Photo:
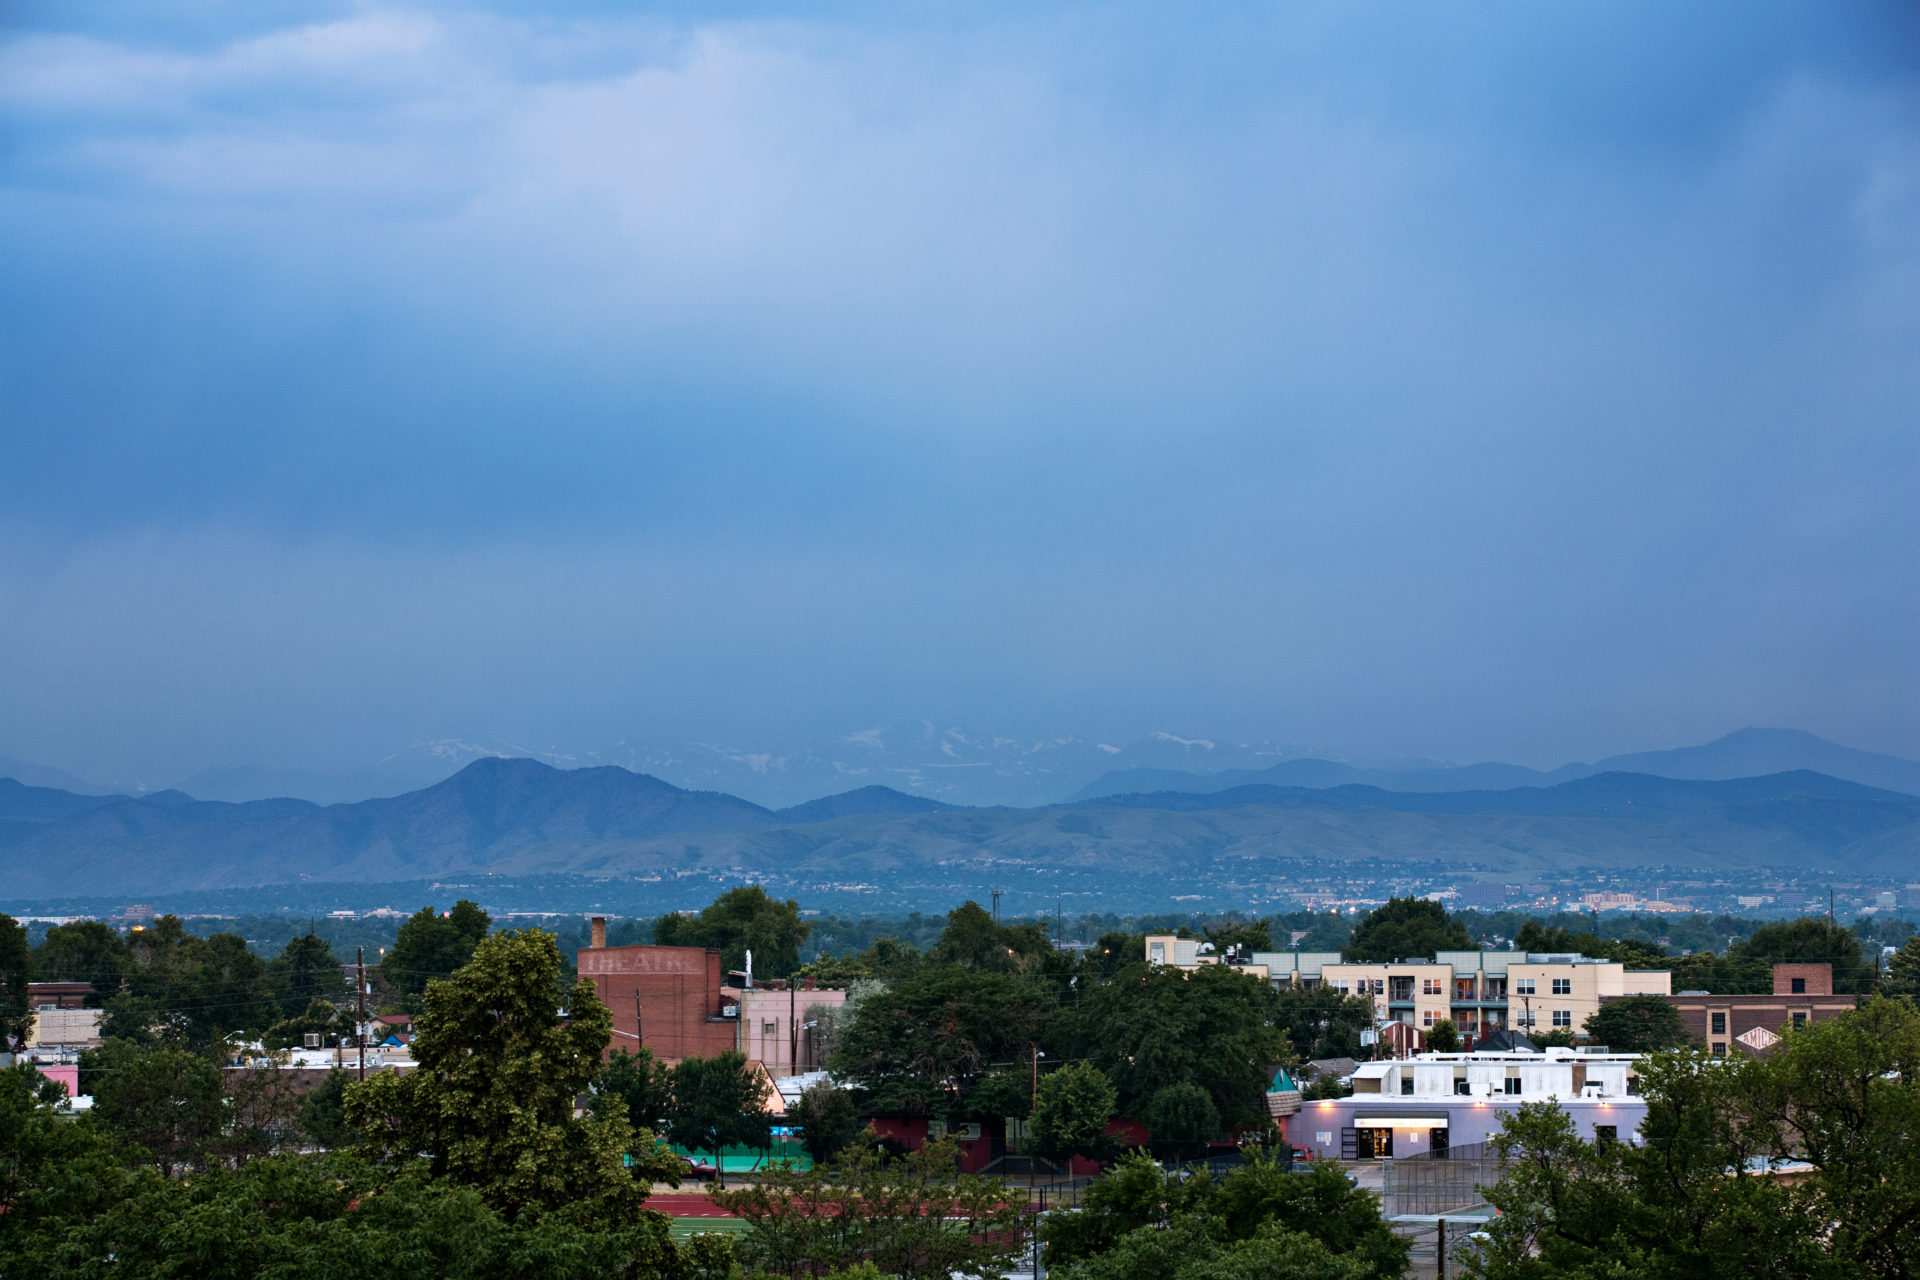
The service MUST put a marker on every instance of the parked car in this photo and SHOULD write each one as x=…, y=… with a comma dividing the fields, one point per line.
x=698, y=1171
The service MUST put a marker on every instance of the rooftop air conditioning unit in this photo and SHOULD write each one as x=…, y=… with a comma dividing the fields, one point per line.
x=312, y=1039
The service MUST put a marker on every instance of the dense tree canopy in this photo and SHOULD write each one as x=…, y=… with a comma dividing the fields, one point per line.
x=491, y=1104
x=740, y=920
x=187, y=991
x=16, y=962
x=1637, y=1024
x=1631, y=952
x=306, y=970
x=84, y=951
x=1260, y=1222
x=925, y=1046
x=431, y=945
x=1405, y=929
x=1694, y=1200
x=1155, y=1026
x=1322, y=1022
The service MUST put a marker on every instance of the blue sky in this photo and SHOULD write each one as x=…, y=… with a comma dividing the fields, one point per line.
x=1474, y=381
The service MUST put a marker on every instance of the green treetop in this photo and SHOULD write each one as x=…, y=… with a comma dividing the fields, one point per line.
x=1406, y=929
x=491, y=1104
x=430, y=945
x=740, y=920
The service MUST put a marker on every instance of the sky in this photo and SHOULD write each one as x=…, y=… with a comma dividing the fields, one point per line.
x=1472, y=381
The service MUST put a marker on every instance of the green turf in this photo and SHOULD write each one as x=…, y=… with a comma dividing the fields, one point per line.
x=684, y=1227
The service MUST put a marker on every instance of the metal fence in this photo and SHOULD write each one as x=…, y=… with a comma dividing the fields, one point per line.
x=1446, y=1181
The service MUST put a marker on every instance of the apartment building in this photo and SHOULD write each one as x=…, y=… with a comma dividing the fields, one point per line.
x=1479, y=991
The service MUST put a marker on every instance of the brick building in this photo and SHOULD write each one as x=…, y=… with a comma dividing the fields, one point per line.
x=673, y=1000
x=1802, y=994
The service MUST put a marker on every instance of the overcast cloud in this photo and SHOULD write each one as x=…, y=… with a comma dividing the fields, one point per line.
x=1474, y=381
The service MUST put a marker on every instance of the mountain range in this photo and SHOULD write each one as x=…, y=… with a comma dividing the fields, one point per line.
x=520, y=817
x=1743, y=754
x=959, y=766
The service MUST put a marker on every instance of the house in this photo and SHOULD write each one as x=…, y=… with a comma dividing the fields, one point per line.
x=1435, y=1102
x=1479, y=991
x=1802, y=994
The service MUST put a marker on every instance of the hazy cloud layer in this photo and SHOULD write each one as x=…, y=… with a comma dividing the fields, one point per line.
x=1460, y=380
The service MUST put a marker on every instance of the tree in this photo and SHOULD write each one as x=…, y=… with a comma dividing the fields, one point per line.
x=1322, y=1022
x=1403, y=929
x=828, y=1121
x=1808, y=940
x=1071, y=1109
x=1903, y=970
x=1441, y=1037
x=1694, y=1198
x=1631, y=952
x=306, y=970
x=1248, y=936
x=974, y=940
x=187, y=991
x=319, y=1018
x=641, y=1085
x=1260, y=1222
x=1637, y=1024
x=16, y=959
x=167, y=1102
x=740, y=920
x=915, y=1216
x=718, y=1102
x=430, y=945
x=491, y=1103
x=323, y=1112
x=1155, y=1026
x=923, y=1047
x=84, y=951
x=1182, y=1120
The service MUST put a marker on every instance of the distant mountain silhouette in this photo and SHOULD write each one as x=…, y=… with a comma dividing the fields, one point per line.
x=515, y=817
x=867, y=800
x=1744, y=754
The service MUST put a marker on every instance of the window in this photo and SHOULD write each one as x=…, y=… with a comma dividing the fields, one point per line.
x=1513, y=1086
x=1524, y=1018
x=1799, y=1020
x=1523, y=986
x=1605, y=1135
x=769, y=1028
x=1379, y=986
x=1430, y=987
x=1431, y=1015
x=1563, y=986
x=1563, y=1017
x=1406, y=1083
x=1719, y=1024
x=1799, y=986
x=1340, y=985
x=1720, y=1051
x=1156, y=953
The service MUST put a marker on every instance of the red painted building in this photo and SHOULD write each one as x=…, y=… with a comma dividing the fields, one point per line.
x=670, y=999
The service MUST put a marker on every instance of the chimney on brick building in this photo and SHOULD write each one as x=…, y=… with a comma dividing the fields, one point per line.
x=599, y=932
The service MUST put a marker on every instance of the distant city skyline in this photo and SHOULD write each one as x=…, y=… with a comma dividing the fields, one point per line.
x=1494, y=383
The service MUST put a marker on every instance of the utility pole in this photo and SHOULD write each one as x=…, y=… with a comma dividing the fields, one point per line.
x=638, y=1030
x=793, y=1026
x=996, y=904
x=360, y=1029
